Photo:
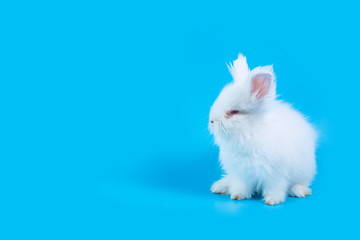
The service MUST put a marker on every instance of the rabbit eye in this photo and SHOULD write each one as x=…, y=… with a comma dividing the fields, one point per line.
x=232, y=112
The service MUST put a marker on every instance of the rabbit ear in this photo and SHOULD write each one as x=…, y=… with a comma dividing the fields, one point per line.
x=239, y=69
x=262, y=82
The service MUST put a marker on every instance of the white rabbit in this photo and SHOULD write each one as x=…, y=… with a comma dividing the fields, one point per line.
x=265, y=145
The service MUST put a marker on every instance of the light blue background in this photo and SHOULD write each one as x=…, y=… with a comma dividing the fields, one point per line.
x=104, y=110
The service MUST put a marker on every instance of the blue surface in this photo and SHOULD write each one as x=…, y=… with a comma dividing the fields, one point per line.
x=104, y=110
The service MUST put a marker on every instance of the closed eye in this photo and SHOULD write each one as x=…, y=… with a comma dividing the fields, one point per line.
x=233, y=112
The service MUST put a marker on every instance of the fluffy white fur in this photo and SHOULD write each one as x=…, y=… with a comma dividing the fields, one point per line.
x=265, y=145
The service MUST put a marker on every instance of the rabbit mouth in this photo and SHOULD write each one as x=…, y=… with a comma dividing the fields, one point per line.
x=217, y=128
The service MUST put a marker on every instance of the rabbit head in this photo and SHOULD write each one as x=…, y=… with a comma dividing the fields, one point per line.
x=242, y=102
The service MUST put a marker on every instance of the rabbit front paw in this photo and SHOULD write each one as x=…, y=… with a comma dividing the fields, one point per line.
x=232, y=187
x=273, y=200
x=221, y=187
x=300, y=190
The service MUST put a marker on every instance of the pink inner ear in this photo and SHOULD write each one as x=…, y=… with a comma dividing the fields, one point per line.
x=260, y=83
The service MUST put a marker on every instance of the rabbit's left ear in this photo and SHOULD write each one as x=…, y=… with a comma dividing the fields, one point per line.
x=262, y=82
